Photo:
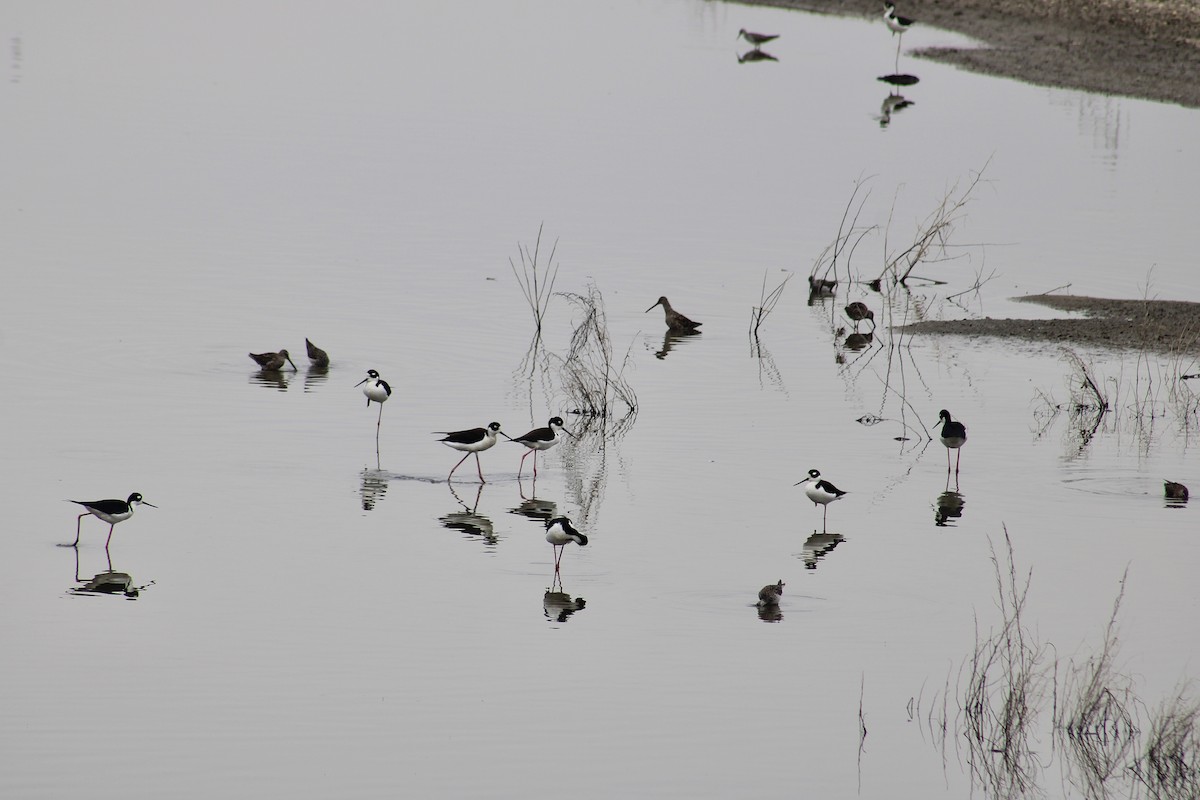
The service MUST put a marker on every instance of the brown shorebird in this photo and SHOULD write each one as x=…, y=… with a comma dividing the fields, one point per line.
x=111, y=511
x=676, y=322
x=769, y=595
x=1175, y=491
x=272, y=362
x=857, y=312
x=954, y=436
x=757, y=39
x=316, y=355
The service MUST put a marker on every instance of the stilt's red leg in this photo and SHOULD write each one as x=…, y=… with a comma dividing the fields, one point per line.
x=456, y=466
x=479, y=467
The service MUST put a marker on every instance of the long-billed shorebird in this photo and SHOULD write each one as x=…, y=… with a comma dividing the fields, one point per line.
x=1175, y=490
x=954, y=436
x=560, y=533
x=821, y=492
x=676, y=322
x=757, y=39
x=316, y=356
x=540, y=439
x=272, y=362
x=111, y=511
x=858, y=311
x=471, y=441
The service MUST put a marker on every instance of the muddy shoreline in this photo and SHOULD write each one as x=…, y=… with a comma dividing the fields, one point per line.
x=1163, y=326
x=1137, y=48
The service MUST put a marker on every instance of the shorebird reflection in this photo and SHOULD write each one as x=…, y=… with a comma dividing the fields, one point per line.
x=108, y=582
x=272, y=380
x=535, y=508
x=468, y=520
x=817, y=546
x=373, y=484
x=949, y=508
x=670, y=339
x=893, y=103
x=557, y=605
x=755, y=55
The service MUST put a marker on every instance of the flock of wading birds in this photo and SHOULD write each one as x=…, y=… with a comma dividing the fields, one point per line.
x=559, y=530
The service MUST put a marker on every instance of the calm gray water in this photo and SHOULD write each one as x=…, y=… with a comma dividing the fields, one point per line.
x=188, y=182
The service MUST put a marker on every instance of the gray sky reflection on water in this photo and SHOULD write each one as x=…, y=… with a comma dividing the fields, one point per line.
x=186, y=185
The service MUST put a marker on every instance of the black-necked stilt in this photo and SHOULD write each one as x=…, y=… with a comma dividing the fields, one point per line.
x=821, y=491
x=769, y=595
x=111, y=511
x=858, y=311
x=560, y=533
x=376, y=389
x=471, y=441
x=272, y=362
x=895, y=24
x=540, y=439
x=318, y=357
x=954, y=436
x=1175, y=491
x=757, y=39
x=675, y=321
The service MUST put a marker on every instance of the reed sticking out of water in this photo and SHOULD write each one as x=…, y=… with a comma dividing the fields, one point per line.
x=1007, y=682
x=589, y=374
x=849, y=236
x=932, y=239
x=536, y=280
x=1096, y=719
x=766, y=304
x=1170, y=765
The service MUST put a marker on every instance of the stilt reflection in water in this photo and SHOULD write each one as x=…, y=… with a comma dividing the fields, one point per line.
x=373, y=485
x=949, y=507
x=468, y=519
x=817, y=546
x=557, y=604
x=533, y=507
x=107, y=582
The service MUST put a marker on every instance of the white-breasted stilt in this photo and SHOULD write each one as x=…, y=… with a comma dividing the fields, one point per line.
x=560, y=533
x=954, y=436
x=675, y=321
x=111, y=511
x=896, y=24
x=821, y=491
x=272, y=362
x=540, y=439
x=471, y=441
x=376, y=389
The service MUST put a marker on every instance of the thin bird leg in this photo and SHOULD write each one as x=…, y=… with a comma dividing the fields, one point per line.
x=479, y=468
x=456, y=466
x=521, y=466
x=958, y=461
x=78, y=523
x=109, y=539
x=535, y=463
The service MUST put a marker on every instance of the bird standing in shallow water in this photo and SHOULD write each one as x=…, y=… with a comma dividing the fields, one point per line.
x=560, y=533
x=757, y=39
x=272, y=362
x=1175, y=491
x=769, y=595
x=376, y=389
x=540, y=439
x=675, y=321
x=471, y=441
x=820, y=491
x=954, y=436
x=318, y=357
x=895, y=24
x=857, y=312
x=111, y=511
